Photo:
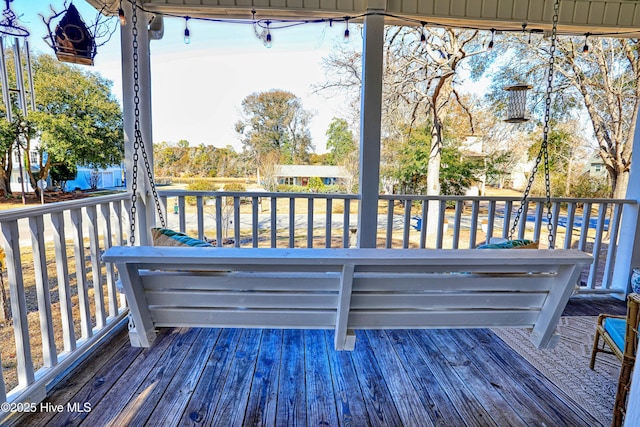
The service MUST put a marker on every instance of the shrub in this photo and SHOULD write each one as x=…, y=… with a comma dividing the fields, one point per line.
x=235, y=186
x=199, y=185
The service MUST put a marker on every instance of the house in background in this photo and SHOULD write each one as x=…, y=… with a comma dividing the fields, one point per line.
x=595, y=167
x=300, y=174
x=86, y=178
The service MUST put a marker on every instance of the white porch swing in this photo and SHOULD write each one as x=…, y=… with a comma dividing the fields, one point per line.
x=340, y=289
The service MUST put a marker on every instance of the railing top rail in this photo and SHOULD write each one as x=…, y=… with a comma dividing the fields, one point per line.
x=504, y=198
x=19, y=213
x=178, y=193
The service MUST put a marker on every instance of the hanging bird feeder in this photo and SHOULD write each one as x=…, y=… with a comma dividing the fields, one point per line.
x=71, y=39
x=517, y=107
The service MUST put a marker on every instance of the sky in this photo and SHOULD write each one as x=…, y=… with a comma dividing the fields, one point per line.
x=198, y=88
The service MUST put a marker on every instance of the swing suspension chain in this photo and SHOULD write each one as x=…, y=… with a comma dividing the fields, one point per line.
x=138, y=143
x=543, y=154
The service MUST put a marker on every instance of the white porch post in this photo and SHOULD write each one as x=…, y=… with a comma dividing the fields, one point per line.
x=145, y=217
x=370, y=116
x=628, y=255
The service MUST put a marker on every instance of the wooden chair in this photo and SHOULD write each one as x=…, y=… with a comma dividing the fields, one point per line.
x=619, y=337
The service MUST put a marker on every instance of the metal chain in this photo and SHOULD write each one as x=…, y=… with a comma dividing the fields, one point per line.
x=138, y=143
x=543, y=154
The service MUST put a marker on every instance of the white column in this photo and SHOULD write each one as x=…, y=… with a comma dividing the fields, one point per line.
x=628, y=255
x=370, y=116
x=145, y=206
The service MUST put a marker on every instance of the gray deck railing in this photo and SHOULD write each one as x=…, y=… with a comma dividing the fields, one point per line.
x=64, y=301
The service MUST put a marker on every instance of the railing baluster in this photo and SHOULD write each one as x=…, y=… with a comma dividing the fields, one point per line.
x=506, y=227
x=310, y=222
x=522, y=226
x=105, y=211
x=94, y=248
x=473, y=232
x=584, y=229
x=274, y=221
x=24, y=361
x=456, y=224
x=407, y=223
x=64, y=290
x=3, y=388
x=597, y=244
x=200, y=216
x=555, y=216
x=568, y=234
x=255, y=222
x=441, y=222
x=346, y=221
x=389, y=237
x=292, y=222
x=182, y=218
x=538, y=222
x=117, y=212
x=49, y=354
x=328, y=223
x=423, y=223
x=81, y=274
x=236, y=222
x=219, y=220
x=491, y=217
x=614, y=229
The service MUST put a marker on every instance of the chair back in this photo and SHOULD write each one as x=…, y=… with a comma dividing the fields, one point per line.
x=633, y=322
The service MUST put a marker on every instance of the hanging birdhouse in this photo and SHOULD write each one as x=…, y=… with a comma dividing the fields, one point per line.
x=72, y=40
x=517, y=107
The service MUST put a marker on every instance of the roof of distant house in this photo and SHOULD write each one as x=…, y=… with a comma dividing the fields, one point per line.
x=320, y=171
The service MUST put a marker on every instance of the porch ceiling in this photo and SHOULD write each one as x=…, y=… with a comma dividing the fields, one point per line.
x=609, y=17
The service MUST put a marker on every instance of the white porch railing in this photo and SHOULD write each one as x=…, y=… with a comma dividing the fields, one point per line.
x=64, y=299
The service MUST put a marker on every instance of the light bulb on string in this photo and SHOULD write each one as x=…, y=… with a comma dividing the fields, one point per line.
x=585, y=48
x=268, y=42
x=187, y=33
x=423, y=37
x=123, y=19
x=346, y=31
x=493, y=32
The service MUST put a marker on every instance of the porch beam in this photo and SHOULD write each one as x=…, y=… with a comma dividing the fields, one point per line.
x=370, y=118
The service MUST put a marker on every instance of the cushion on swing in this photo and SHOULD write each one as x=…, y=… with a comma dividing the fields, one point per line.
x=511, y=244
x=166, y=237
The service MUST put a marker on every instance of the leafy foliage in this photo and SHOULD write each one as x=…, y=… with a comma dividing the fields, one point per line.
x=275, y=121
x=340, y=141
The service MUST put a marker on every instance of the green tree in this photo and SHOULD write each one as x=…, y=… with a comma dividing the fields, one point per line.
x=77, y=120
x=340, y=141
x=275, y=121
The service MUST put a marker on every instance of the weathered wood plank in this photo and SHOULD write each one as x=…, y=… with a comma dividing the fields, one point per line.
x=321, y=401
x=261, y=407
x=545, y=394
x=461, y=398
x=105, y=356
x=146, y=397
x=231, y=408
x=292, y=405
x=520, y=400
x=205, y=389
x=424, y=381
x=378, y=400
x=407, y=401
x=172, y=405
x=470, y=378
x=350, y=406
x=124, y=392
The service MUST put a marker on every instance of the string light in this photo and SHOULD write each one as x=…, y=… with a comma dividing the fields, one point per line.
x=346, y=31
x=423, y=37
x=585, y=48
x=267, y=40
x=123, y=19
x=187, y=33
x=493, y=32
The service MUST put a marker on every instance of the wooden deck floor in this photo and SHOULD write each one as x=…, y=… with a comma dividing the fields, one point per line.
x=234, y=377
